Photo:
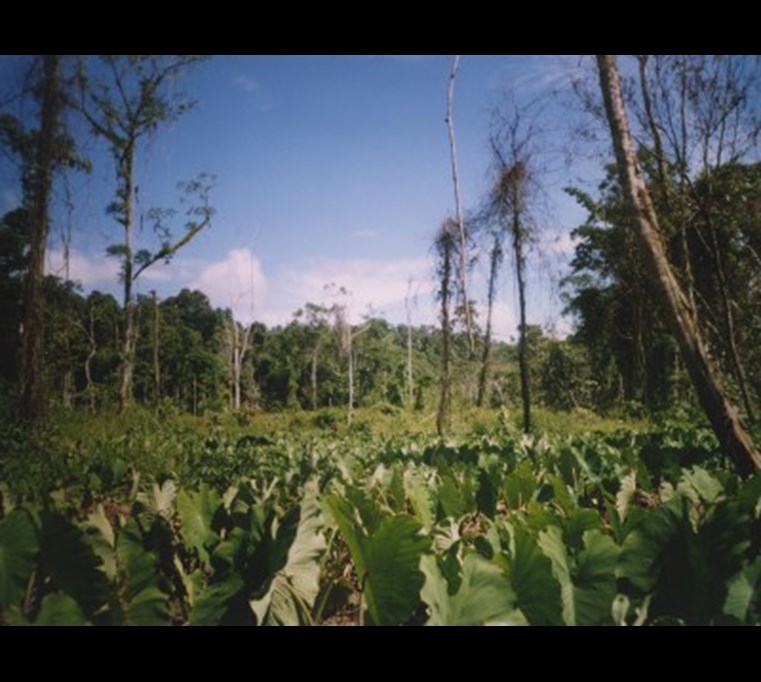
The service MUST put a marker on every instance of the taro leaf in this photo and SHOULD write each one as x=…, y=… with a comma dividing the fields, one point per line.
x=56, y=609
x=538, y=593
x=697, y=484
x=146, y=601
x=228, y=554
x=419, y=494
x=587, y=585
x=101, y=536
x=486, y=497
x=520, y=486
x=396, y=494
x=72, y=564
x=742, y=589
x=450, y=498
x=212, y=602
x=579, y=521
x=18, y=553
x=386, y=562
x=640, y=553
x=294, y=587
x=344, y=515
x=562, y=493
x=163, y=497
x=369, y=510
x=625, y=494
x=484, y=595
x=393, y=580
x=595, y=578
x=197, y=512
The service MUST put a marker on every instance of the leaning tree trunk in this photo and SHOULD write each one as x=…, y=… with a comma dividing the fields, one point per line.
x=681, y=318
x=32, y=397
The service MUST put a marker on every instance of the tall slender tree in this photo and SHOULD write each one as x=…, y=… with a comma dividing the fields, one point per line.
x=511, y=144
x=462, y=230
x=446, y=248
x=32, y=398
x=125, y=98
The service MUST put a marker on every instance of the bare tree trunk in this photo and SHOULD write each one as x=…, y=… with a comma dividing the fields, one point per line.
x=126, y=172
x=313, y=378
x=520, y=263
x=239, y=346
x=90, y=388
x=734, y=440
x=350, y=414
x=156, y=365
x=463, y=267
x=32, y=397
x=445, y=245
x=729, y=322
x=410, y=385
x=68, y=388
x=494, y=261
x=688, y=278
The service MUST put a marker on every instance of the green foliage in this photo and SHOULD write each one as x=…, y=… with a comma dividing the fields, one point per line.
x=239, y=528
x=386, y=555
x=484, y=596
x=18, y=553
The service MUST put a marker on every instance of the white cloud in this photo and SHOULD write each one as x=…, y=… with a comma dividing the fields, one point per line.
x=562, y=243
x=246, y=83
x=237, y=282
x=82, y=268
x=373, y=284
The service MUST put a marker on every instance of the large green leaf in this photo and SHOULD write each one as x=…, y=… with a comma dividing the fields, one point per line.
x=587, y=583
x=698, y=484
x=197, y=512
x=538, y=592
x=386, y=562
x=55, y=609
x=450, y=499
x=484, y=596
x=520, y=486
x=213, y=602
x=72, y=564
x=101, y=536
x=60, y=609
x=294, y=587
x=18, y=554
x=487, y=494
x=742, y=589
x=648, y=535
x=345, y=517
x=393, y=580
x=418, y=492
x=146, y=601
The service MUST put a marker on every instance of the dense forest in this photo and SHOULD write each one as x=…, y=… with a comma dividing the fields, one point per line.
x=163, y=462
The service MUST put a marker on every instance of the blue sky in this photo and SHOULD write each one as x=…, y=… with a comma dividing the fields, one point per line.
x=329, y=169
